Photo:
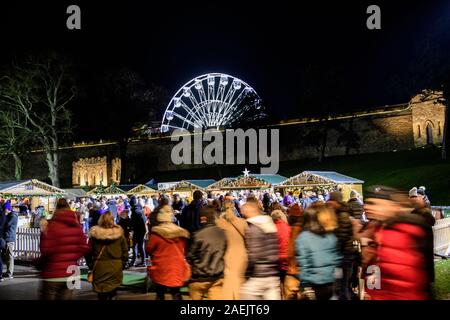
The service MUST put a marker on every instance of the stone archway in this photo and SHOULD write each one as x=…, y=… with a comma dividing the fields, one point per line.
x=429, y=133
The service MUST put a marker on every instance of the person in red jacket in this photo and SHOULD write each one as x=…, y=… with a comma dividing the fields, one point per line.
x=284, y=233
x=166, y=244
x=401, y=248
x=62, y=244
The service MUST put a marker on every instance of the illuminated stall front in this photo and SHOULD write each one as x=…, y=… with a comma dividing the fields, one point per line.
x=262, y=182
x=319, y=181
x=38, y=193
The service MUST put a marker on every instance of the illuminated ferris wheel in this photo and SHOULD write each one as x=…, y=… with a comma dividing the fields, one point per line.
x=211, y=100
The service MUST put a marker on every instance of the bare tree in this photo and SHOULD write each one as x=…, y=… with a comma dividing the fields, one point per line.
x=15, y=137
x=40, y=88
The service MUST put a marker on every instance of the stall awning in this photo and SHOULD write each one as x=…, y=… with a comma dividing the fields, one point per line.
x=141, y=189
x=251, y=181
x=308, y=178
x=32, y=187
x=191, y=184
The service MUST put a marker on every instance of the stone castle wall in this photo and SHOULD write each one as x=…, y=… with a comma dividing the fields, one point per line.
x=381, y=131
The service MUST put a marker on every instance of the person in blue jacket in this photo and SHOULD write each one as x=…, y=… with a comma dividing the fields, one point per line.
x=317, y=252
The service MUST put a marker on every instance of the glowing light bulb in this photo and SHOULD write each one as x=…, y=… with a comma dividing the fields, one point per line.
x=223, y=80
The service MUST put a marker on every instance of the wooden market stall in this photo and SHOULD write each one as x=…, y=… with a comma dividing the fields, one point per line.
x=39, y=193
x=322, y=180
x=186, y=188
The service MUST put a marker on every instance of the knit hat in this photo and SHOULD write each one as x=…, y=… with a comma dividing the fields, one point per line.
x=165, y=214
x=413, y=192
x=295, y=210
x=354, y=194
x=386, y=193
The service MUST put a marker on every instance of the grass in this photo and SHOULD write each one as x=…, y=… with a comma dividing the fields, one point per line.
x=402, y=169
x=442, y=283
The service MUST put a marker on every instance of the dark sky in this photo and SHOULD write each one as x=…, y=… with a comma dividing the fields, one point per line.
x=267, y=45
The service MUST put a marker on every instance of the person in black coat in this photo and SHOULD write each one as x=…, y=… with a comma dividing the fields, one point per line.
x=205, y=256
x=2, y=240
x=9, y=234
x=190, y=216
x=138, y=222
x=261, y=241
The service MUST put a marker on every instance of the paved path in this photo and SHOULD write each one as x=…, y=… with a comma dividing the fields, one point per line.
x=26, y=284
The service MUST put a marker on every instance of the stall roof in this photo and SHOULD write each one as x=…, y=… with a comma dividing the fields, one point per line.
x=141, y=189
x=202, y=183
x=31, y=187
x=320, y=177
x=336, y=177
x=274, y=179
x=127, y=187
x=76, y=192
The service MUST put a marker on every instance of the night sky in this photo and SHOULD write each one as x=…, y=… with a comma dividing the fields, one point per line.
x=267, y=45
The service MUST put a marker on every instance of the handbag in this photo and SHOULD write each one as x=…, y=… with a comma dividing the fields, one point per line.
x=90, y=277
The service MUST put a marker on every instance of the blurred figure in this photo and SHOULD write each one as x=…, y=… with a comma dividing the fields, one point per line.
x=178, y=206
x=2, y=240
x=317, y=251
x=190, y=217
x=288, y=199
x=108, y=257
x=291, y=285
x=9, y=235
x=401, y=247
x=276, y=206
x=235, y=258
x=166, y=249
x=261, y=241
x=127, y=227
x=423, y=210
x=421, y=191
x=283, y=232
x=138, y=222
x=206, y=257
x=62, y=244
x=344, y=234
x=266, y=203
x=355, y=205
x=112, y=207
x=94, y=214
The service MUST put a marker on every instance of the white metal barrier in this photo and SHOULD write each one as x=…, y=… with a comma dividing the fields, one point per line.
x=441, y=231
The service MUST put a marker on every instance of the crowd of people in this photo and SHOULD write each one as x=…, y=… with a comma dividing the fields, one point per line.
x=242, y=245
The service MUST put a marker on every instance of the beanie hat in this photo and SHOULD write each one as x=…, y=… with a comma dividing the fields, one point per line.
x=413, y=192
x=295, y=210
x=354, y=194
x=165, y=214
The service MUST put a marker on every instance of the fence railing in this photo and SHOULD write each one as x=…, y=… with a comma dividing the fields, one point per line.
x=27, y=244
x=441, y=231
